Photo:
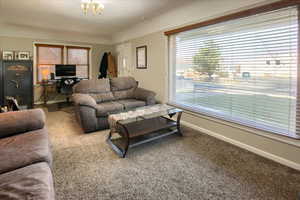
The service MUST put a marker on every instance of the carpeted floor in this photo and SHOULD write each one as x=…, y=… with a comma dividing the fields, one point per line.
x=195, y=166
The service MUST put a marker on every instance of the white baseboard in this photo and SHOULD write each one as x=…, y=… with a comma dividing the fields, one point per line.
x=252, y=149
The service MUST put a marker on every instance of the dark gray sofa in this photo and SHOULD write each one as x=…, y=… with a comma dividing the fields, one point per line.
x=25, y=156
x=95, y=99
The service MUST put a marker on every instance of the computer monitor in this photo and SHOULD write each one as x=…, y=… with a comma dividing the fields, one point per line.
x=65, y=70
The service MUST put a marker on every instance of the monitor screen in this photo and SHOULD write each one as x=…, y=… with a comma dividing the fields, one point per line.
x=65, y=70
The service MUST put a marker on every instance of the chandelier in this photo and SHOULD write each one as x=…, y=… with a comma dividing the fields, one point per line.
x=96, y=6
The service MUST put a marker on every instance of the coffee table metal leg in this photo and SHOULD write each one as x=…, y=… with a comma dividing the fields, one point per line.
x=127, y=142
x=171, y=115
x=110, y=134
x=114, y=147
x=178, y=123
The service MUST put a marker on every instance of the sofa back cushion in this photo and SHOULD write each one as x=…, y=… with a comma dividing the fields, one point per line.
x=13, y=123
x=123, y=87
x=92, y=86
x=99, y=89
x=102, y=97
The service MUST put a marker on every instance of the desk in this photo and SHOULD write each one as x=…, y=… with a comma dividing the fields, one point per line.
x=48, y=86
x=62, y=86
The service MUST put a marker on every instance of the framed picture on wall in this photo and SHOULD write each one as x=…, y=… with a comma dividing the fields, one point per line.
x=7, y=55
x=23, y=55
x=141, y=57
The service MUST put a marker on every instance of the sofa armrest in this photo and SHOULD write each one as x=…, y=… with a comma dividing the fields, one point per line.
x=84, y=100
x=12, y=123
x=145, y=95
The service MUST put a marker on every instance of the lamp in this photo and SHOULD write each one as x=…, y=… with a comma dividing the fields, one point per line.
x=45, y=74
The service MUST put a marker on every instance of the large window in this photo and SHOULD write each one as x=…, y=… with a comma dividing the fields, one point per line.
x=47, y=56
x=242, y=70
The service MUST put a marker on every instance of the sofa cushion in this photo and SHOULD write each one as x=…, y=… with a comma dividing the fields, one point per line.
x=124, y=94
x=131, y=103
x=102, y=97
x=13, y=123
x=24, y=149
x=31, y=182
x=92, y=86
x=123, y=83
x=123, y=87
x=104, y=109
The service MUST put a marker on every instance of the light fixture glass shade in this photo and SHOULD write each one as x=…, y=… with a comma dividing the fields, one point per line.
x=96, y=6
x=85, y=4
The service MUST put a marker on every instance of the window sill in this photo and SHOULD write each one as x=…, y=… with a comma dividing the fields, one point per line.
x=278, y=137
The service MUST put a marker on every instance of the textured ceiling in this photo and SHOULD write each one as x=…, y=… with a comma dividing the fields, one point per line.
x=65, y=15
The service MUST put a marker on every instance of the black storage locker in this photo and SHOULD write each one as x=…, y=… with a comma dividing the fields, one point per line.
x=17, y=81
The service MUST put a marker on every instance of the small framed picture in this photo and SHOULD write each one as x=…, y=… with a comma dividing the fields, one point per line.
x=7, y=55
x=23, y=55
x=141, y=57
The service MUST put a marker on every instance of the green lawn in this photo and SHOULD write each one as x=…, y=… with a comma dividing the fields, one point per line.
x=243, y=106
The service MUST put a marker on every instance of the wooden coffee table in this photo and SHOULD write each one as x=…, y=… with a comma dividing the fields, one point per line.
x=141, y=125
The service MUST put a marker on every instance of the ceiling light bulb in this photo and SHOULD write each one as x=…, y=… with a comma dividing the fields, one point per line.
x=85, y=4
x=97, y=7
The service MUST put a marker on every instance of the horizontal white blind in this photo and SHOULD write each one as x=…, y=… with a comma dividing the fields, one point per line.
x=243, y=70
x=79, y=57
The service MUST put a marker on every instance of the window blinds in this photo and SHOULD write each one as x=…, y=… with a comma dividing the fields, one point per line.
x=80, y=57
x=47, y=57
x=242, y=70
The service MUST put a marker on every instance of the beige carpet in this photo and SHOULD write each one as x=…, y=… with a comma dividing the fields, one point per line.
x=195, y=166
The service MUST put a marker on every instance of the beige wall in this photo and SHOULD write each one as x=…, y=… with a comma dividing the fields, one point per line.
x=155, y=77
x=26, y=44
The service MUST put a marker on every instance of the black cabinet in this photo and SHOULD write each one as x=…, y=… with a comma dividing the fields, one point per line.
x=17, y=81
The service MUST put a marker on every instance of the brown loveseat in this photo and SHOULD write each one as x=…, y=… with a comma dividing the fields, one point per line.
x=25, y=156
x=95, y=99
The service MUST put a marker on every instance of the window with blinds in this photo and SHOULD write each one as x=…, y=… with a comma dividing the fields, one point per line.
x=243, y=70
x=47, y=57
x=80, y=57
